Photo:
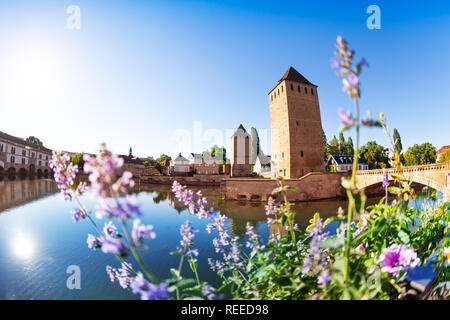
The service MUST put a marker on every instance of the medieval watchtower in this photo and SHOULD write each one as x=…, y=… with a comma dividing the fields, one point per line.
x=240, y=153
x=296, y=127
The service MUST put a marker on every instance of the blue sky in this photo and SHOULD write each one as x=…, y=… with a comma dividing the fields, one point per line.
x=145, y=73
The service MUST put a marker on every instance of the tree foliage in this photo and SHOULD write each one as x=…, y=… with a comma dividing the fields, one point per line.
x=34, y=140
x=420, y=154
x=398, y=147
x=374, y=155
x=445, y=156
x=255, y=147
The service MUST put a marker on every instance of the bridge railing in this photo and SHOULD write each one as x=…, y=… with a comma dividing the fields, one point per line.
x=412, y=169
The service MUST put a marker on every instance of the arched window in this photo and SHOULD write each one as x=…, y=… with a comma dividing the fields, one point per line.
x=297, y=123
x=312, y=91
x=306, y=90
x=298, y=88
x=301, y=154
x=292, y=87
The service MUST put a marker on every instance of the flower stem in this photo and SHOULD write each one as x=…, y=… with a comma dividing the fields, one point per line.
x=136, y=254
x=351, y=203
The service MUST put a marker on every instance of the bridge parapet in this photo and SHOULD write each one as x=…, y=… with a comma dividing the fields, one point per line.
x=411, y=169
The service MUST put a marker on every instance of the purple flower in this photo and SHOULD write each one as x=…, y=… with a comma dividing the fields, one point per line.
x=113, y=208
x=103, y=170
x=110, y=229
x=93, y=242
x=187, y=237
x=194, y=201
x=210, y=293
x=316, y=259
x=335, y=64
x=141, y=232
x=385, y=179
x=64, y=172
x=351, y=84
x=398, y=257
x=78, y=214
x=147, y=290
x=122, y=275
x=113, y=245
x=81, y=188
x=345, y=117
x=324, y=278
x=254, y=241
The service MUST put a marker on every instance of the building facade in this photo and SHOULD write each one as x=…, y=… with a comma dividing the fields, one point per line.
x=20, y=159
x=262, y=164
x=296, y=127
x=179, y=166
x=203, y=163
x=441, y=151
x=338, y=163
x=240, y=153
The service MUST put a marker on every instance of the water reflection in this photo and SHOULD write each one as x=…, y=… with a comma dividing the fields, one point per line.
x=239, y=212
x=23, y=245
x=16, y=193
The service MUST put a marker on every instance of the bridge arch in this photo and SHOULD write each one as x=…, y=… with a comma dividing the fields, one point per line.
x=22, y=173
x=12, y=173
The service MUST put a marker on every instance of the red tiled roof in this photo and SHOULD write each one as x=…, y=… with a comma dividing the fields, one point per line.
x=23, y=142
x=441, y=150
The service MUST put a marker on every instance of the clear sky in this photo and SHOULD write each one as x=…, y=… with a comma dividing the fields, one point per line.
x=169, y=76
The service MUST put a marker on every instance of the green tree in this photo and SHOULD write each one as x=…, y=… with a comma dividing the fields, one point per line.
x=254, y=145
x=350, y=148
x=218, y=152
x=34, y=140
x=333, y=147
x=342, y=145
x=77, y=159
x=326, y=154
x=445, y=156
x=398, y=147
x=374, y=155
x=420, y=154
x=163, y=157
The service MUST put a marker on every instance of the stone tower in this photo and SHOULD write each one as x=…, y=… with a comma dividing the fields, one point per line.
x=240, y=153
x=296, y=127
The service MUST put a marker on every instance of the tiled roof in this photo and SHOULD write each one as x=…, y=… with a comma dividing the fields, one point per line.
x=443, y=149
x=293, y=75
x=23, y=142
x=343, y=159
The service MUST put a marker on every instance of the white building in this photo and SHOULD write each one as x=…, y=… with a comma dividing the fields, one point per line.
x=179, y=165
x=338, y=163
x=262, y=164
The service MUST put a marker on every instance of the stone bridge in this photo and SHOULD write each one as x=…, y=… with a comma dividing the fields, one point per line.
x=436, y=176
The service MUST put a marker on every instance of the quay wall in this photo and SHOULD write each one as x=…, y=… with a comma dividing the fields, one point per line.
x=312, y=186
x=195, y=180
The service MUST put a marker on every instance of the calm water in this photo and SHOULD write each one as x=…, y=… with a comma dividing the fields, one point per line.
x=39, y=240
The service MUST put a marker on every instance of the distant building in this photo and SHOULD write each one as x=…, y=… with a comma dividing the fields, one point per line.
x=262, y=164
x=440, y=152
x=23, y=159
x=240, y=153
x=338, y=163
x=179, y=166
x=296, y=127
x=203, y=163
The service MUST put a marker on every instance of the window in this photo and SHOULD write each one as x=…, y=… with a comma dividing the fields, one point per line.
x=1, y=148
x=13, y=159
x=13, y=150
x=40, y=156
x=46, y=157
x=46, y=164
x=292, y=87
x=281, y=88
x=301, y=154
x=24, y=153
x=282, y=154
x=278, y=91
x=298, y=88
x=284, y=172
x=23, y=160
x=297, y=123
x=306, y=90
x=271, y=97
x=32, y=154
x=312, y=91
